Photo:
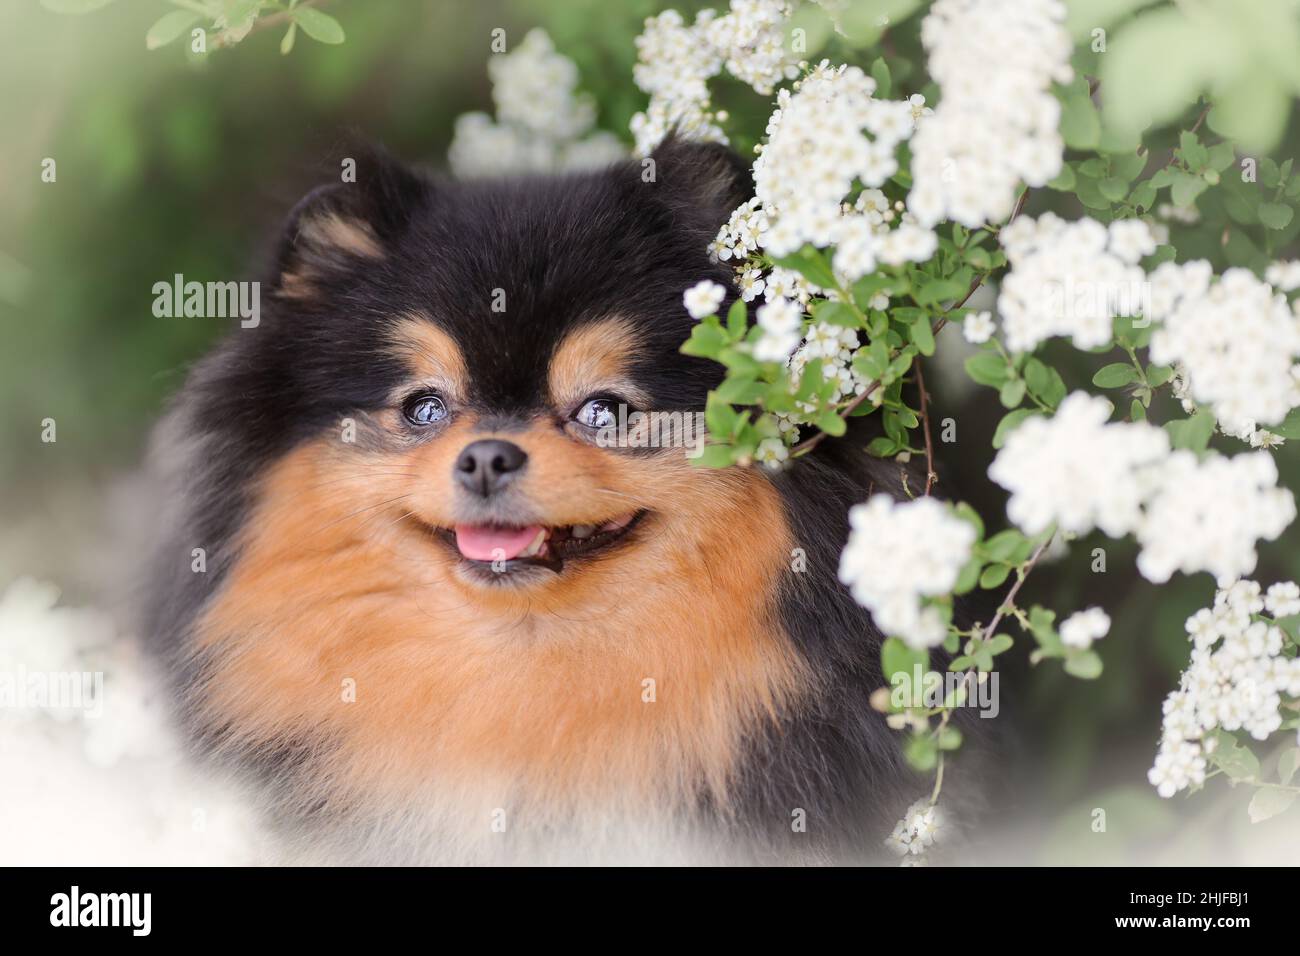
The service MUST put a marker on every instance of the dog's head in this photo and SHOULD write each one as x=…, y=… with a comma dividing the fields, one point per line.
x=493, y=368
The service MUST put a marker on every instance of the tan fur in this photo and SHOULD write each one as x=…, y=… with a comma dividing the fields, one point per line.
x=591, y=359
x=431, y=354
x=351, y=236
x=533, y=694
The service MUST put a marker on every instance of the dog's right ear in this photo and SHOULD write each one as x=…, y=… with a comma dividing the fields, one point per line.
x=336, y=227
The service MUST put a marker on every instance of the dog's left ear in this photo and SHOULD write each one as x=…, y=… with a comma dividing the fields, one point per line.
x=356, y=220
x=707, y=178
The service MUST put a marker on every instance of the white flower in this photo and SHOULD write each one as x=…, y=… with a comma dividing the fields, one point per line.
x=1284, y=275
x=898, y=553
x=1076, y=471
x=1068, y=279
x=1283, y=599
x=1207, y=515
x=1235, y=681
x=703, y=298
x=921, y=828
x=996, y=122
x=771, y=452
x=1079, y=630
x=978, y=327
x=542, y=122
x=1131, y=240
x=1237, y=344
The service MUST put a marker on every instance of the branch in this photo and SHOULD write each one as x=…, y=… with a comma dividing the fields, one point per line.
x=808, y=444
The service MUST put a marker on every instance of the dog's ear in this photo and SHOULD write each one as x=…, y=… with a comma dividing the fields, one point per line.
x=708, y=178
x=335, y=227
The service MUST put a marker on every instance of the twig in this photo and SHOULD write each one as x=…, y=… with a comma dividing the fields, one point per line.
x=263, y=23
x=808, y=444
x=930, y=476
x=1007, y=604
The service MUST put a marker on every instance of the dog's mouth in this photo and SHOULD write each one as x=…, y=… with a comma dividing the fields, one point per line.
x=506, y=548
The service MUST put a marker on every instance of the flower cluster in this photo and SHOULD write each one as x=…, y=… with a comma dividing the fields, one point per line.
x=996, y=123
x=1081, y=629
x=1079, y=472
x=1206, y=515
x=1237, y=343
x=676, y=60
x=126, y=791
x=1071, y=279
x=542, y=122
x=899, y=553
x=921, y=827
x=817, y=150
x=1236, y=680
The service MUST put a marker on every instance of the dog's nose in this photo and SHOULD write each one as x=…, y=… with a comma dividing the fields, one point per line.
x=487, y=466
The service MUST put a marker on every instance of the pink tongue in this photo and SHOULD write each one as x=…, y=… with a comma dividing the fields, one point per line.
x=480, y=542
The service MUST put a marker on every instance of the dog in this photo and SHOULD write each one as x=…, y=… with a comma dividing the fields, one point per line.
x=438, y=620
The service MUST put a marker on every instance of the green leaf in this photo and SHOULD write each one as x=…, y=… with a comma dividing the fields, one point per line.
x=737, y=320
x=836, y=313
x=1268, y=802
x=1113, y=188
x=988, y=368
x=880, y=73
x=1000, y=644
x=1004, y=545
x=1115, y=375
x=719, y=416
x=1086, y=665
x=922, y=336
x=1192, y=433
x=831, y=423
x=1009, y=423
x=1065, y=179
x=812, y=265
x=1238, y=762
x=882, y=447
x=1287, y=764
x=286, y=43
x=897, y=658
x=1155, y=67
x=949, y=738
x=968, y=577
x=994, y=575
x=1276, y=215
x=706, y=341
x=318, y=25
x=1044, y=381
x=1012, y=393
x=741, y=390
x=1290, y=426
x=74, y=6
x=1080, y=124
x=714, y=456
x=1186, y=188
x=921, y=752
x=169, y=27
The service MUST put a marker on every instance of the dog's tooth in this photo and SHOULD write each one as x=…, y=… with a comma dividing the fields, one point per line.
x=535, y=546
x=583, y=530
x=617, y=524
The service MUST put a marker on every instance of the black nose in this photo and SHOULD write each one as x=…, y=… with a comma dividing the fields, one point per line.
x=487, y=466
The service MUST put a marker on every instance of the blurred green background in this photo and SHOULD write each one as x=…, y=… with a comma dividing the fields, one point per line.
x=168, y=162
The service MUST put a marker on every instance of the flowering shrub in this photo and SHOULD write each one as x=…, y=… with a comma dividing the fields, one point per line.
x=880, y=209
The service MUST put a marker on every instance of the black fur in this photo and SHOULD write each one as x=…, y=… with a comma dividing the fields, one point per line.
x=565, y=249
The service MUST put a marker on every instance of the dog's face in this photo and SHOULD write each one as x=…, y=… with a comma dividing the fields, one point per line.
x=492, y=372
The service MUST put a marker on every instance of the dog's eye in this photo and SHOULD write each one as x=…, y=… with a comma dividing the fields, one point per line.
x=424, y=409
x=597, y=413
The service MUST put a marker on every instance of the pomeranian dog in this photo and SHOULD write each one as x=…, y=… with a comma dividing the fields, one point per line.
x=440, y=620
